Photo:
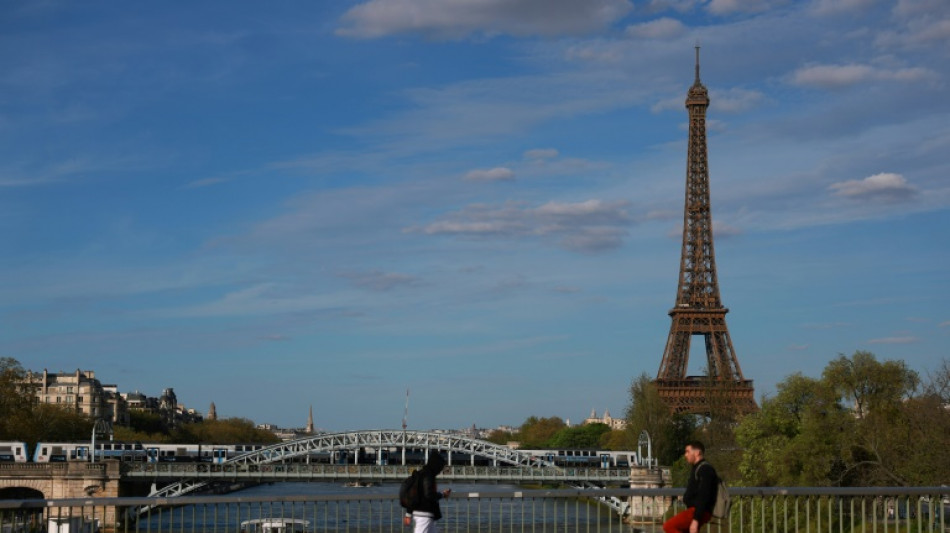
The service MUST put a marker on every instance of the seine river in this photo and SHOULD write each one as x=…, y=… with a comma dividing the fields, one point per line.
x=462, y=513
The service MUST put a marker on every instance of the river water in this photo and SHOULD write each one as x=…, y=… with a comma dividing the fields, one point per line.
x=463, y=512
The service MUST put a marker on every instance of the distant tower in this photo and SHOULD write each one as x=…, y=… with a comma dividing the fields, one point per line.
x=310, y=421
x=212, y=412
x=698, y=310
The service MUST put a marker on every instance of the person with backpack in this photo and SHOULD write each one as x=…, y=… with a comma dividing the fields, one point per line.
x=700, y=496
x=424, y=496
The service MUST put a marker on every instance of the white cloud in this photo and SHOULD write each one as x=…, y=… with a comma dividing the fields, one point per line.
x=662, y=28
x=735, y=100
x=459, y=18
x=541, y=153
x=832, y=76
x=682, y=6
x=380, y=281
x=894, y=340
x=924, y=31
x=885, y=185
x=206, y=182
x=588, y=226
x=492, y=174
x=828, y=7
x=907, y=8
x=725, y=7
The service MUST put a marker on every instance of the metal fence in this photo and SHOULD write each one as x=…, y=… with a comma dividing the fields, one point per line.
x=772, y=510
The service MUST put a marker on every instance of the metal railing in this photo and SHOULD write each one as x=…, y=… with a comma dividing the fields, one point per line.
x=754, y=510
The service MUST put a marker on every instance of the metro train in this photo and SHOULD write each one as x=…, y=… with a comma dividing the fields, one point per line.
x=51, y=452
x=586, y=458
x=13, y=452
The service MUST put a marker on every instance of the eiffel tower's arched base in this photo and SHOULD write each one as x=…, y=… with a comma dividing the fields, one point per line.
x=707, y=397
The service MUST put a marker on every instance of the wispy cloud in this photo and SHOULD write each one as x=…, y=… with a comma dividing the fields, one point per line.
x=725, y=7
x=206, y=182
x=588, y=226
x=894, y=340
x=835, y=7
x=492, y=174
x=886, y=185
x=380, y=281
x=834, y=76
x=541, y=153
x=452, y=20
x=661, y=28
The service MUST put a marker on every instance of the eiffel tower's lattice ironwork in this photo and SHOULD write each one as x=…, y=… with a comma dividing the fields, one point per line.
x=698, y=310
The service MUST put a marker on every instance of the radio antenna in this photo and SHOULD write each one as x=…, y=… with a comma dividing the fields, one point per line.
x=405, y=415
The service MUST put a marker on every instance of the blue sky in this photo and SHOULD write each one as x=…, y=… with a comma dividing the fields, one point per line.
x=325, y=203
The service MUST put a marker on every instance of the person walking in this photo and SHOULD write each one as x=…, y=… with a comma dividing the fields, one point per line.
x=700, y=496
x=427, y=512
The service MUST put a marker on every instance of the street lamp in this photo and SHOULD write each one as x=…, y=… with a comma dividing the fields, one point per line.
x=101, y=426
x=645, y=440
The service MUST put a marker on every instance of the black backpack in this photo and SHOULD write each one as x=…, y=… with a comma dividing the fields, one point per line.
x=410, y=491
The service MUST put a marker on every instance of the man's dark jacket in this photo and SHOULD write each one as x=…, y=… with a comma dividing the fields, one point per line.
x=701, y=488
x=430, y=492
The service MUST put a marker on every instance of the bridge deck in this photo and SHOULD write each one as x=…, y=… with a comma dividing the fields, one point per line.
x=368, y=473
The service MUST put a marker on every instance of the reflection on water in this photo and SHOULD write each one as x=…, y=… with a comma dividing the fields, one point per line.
x=463, y=512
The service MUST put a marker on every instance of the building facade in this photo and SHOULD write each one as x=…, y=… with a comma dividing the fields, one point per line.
x=80, y=391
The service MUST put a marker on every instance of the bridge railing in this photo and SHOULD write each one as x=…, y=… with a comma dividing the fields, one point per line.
x=375, y=509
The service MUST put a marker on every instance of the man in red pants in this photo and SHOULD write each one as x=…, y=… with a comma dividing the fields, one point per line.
x=700, y=496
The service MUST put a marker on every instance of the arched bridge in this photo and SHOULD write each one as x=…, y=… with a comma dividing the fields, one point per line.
x=377, y=455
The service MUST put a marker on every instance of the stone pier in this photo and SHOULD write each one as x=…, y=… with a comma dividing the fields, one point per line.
x=61, y=481
x=648, y=510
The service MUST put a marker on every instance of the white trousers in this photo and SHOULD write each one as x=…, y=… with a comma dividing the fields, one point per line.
x=425, y=523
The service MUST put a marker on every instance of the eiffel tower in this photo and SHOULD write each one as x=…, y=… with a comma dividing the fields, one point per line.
x=698, y=310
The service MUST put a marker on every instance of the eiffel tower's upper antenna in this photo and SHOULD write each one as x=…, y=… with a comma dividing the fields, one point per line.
x=697, y=82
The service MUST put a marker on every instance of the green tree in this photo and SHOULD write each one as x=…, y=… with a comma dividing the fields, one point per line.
x=501, y=437
x=648, y=412
x=864, y=423
x=587, y=436
x=868, y=386
x=224, y=431
x=536, y=433
x=796, y=437
x=16, y=398
x=618, y=439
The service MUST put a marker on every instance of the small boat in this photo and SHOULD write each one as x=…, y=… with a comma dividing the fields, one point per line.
x=358, y=484
x=275, y=525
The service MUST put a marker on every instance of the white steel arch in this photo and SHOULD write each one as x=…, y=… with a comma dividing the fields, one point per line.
x=374, y=439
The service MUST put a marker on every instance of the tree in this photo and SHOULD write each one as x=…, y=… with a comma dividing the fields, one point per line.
x=498, y=436
x=795, y=438
x=648, y=412
x=536, y=433
x=587, y=436
x=16, y=398
x=864, y=423
x=869, y=386
x=223, y=431
x=618, y=439
x=50, y=422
